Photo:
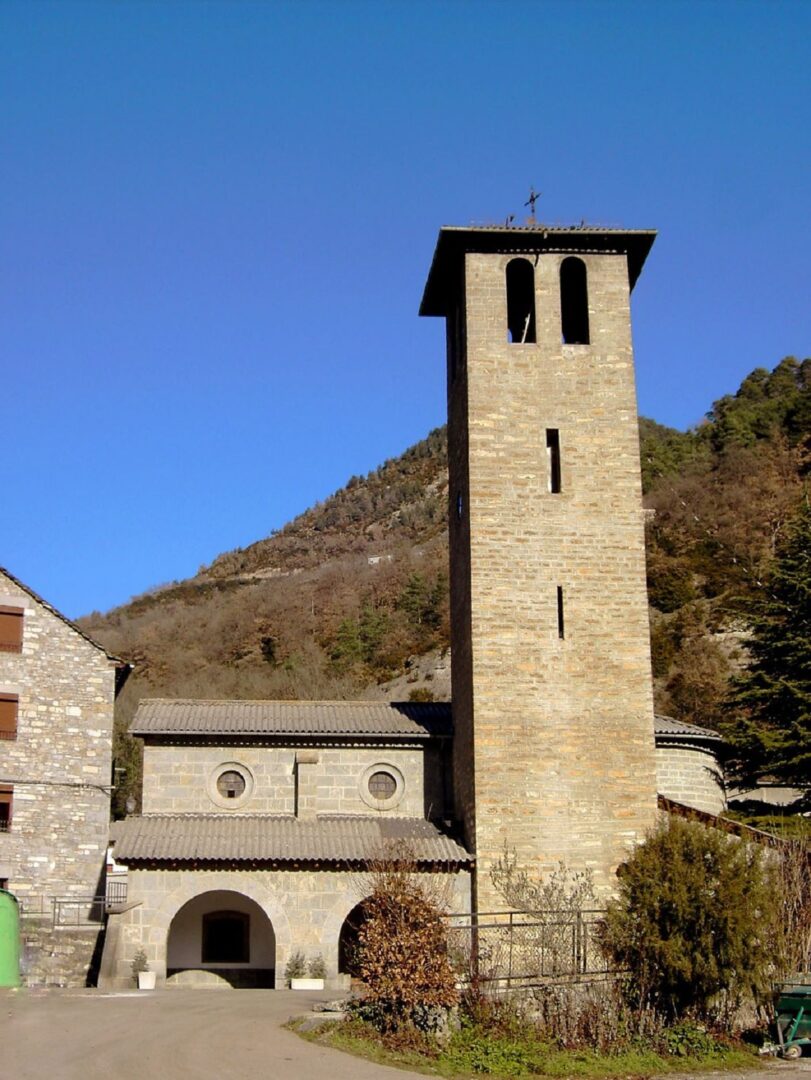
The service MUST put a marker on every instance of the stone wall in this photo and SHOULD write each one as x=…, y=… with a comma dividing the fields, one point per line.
x=182, y=779
x=60, y=761
x=691, y=775
x=61, y=956
x=554, y=735
x=306, y=909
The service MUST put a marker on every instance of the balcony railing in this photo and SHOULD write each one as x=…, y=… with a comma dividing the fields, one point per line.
x=82, y=911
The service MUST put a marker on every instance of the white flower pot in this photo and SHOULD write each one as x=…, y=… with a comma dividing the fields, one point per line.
x=306, y=984
x=146, y=980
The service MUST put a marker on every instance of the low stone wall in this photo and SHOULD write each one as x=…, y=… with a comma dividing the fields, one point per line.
x=58, y=956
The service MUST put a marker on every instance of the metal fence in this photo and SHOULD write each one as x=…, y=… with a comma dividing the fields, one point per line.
x=74, y=910
x=78, y=910
x=512, y=948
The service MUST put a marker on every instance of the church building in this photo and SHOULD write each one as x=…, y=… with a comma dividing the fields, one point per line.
x=261, y=820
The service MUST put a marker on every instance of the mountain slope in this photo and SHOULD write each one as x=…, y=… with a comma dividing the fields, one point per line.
x=348, y=594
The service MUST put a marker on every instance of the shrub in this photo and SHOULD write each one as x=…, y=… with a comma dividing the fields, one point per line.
x=692, y=920
x=296, y=967
x=139, y=963
x=403, y=951
x=316, y=968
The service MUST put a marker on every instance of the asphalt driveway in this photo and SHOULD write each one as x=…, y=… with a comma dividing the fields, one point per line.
x=166, y=1035
x=195, y=1035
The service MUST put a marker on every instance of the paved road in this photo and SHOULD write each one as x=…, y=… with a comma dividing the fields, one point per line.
x=194, y=1035
x=166, y=1035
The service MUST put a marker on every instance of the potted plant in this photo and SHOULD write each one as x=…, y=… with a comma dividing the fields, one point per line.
x=141, y=973
x=302, y=975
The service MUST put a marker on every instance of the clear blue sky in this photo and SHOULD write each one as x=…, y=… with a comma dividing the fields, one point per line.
x=217, y=218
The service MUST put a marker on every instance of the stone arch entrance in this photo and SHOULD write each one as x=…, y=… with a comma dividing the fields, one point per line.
x=348, y=939
x=221, y=936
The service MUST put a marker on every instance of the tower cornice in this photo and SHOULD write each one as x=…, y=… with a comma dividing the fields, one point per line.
x=454, y=241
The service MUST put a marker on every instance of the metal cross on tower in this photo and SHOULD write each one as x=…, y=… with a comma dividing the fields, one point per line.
x=533, y=198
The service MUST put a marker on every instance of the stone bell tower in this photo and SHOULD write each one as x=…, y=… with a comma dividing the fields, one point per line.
x=552, y=694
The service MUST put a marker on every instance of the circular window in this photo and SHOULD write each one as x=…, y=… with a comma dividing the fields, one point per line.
x=382, y=786
x=230, y=785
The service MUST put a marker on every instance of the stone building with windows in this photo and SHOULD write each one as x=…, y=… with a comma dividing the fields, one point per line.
x=261, y=819
x=57, y=691
x=259, y=824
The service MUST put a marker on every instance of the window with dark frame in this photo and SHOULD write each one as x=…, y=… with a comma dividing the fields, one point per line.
x=561, y=628
x=226, y=937
x=6, y=801
x=11, y=628
x=9, y=707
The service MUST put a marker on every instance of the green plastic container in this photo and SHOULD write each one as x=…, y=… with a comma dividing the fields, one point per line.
x=9, y=939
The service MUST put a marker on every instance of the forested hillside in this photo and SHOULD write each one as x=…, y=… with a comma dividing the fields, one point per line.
x=343, y=597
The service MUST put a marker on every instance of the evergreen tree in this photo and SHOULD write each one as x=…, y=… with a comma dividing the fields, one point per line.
x=770, y=731
x=692, y=920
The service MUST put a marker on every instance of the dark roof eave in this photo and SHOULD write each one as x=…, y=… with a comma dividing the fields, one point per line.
x=360, y=864
x=455, y=240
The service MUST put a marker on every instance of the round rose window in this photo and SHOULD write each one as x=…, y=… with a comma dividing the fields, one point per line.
x=382, y=786
x=231, y=784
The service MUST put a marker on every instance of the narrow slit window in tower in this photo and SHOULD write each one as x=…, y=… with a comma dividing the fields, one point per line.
x=553, y=458
x=520, y=302
x=574, y=302
x=561, y=633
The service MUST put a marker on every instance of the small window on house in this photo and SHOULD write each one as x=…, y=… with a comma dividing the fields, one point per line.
x=8, y=716
x=574, y=302
x=6, y=800
x=520, y=301
x=11, y=629
x=561, y=628
x=553, y=460
x=231, y=784
x=226, y=937
x=382, y=786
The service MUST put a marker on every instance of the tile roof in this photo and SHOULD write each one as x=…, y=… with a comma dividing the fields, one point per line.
x=163, y=716
x=666, y=725
x=253, y=838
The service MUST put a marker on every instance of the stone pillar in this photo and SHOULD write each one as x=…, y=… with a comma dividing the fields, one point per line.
x=306, y=789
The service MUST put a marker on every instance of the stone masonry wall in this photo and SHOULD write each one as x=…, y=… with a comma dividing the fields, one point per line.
x=306, y=908
x=464, y=780
x=691, y=775
x=179, y=779
x=60, y=762
x=562, y=750
x=58, y=956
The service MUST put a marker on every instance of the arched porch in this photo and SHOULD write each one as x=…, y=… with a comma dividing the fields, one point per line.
x=221, y=936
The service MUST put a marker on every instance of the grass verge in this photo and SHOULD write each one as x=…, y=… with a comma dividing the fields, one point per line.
x=475, y=1052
